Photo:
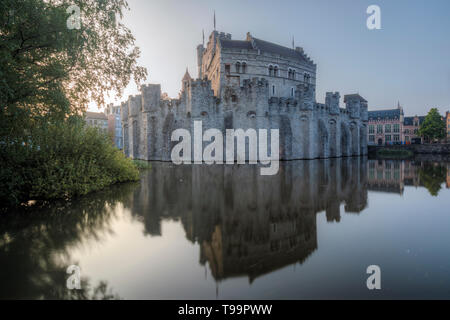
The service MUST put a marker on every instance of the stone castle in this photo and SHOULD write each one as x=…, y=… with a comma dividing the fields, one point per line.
x=247, y=84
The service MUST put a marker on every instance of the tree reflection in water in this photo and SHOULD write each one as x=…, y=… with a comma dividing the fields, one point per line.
x=35, y=245
x=433, y=175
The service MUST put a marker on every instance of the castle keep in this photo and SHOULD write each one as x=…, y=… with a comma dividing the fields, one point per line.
x=248, y=84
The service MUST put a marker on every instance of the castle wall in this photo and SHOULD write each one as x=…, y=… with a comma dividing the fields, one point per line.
x=224, y=99
x=307, y=130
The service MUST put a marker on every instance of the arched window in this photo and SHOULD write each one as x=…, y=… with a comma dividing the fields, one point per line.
x=270, y=70
x=293, y=74
x=275, y=71
x=238, y=67
x=306, y=78
x=292, y=92
x=244, y=67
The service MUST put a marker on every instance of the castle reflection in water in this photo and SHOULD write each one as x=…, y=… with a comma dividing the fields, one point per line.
x=249, y=225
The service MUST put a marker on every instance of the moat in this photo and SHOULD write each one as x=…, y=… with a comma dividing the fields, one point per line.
x=226, y=232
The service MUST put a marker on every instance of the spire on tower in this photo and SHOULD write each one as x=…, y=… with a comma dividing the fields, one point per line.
x=187, y=76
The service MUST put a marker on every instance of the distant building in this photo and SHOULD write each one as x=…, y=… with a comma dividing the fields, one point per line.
x=447, y=123
x=98, y=120
x=390, y=126
x=411, y=127
x=115, y=124
x=448, y=171
x=385, y=126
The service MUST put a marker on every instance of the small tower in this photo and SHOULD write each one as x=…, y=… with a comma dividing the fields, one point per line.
x=355, y=105
x=332, y=102
x=200, y=50
x=186, y=79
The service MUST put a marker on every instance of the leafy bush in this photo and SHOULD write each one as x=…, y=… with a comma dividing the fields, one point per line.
x=60, y=160
x=395, y=153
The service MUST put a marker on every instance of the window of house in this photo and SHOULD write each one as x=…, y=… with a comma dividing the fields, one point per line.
x=292, y=92
x=244, y=67
x=275, y=71
x=416, y=131
x=273, y=90
x=396, y=137
x=371, y=128
x=372, y=138
x=271, y=70
x=387, y=128
x=227, y=69
x=380, y=128
x=396, y=128
x=238, y=67
x=388, y=138
x=407, y=138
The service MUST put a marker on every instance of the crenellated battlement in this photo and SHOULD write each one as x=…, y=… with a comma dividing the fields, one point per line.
x=244, y=99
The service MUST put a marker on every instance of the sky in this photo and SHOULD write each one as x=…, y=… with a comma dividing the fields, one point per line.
x=407, y=61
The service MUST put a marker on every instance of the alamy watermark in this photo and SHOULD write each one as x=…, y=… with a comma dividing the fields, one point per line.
x=374, y=280
x=74, y=280
x=213, y=153
x=74, y=21
x=374, y=20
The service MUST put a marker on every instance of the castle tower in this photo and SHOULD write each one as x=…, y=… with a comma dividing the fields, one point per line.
x=332, y=102
x=200, y=50
x=186, y=79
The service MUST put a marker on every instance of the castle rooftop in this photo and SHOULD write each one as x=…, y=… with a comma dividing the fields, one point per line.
x=252, y=43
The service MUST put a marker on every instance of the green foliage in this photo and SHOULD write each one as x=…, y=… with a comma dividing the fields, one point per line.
x=48, y=75
x=48, y=68
x=142, y=165
x=61, y=160
x=433, y=127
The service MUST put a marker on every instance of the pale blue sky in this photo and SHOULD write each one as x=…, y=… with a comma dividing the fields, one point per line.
x=407, y=61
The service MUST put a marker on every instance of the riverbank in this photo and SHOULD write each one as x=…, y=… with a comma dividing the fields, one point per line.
x=408, y=151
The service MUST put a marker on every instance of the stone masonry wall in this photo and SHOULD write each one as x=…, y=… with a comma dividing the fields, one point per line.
x=308, y=130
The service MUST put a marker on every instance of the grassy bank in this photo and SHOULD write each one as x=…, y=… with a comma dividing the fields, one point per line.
x=386, y=153
x=142, y=165
x=60, y=161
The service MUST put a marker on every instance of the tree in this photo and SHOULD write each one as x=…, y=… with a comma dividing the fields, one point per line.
x=55, y=57
x=433, y=127
x=48, y=68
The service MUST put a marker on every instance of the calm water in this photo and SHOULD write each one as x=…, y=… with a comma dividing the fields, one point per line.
x=225, y=232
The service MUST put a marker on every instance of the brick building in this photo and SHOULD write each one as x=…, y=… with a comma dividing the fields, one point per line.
x=385, y=126
x=411, y=127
